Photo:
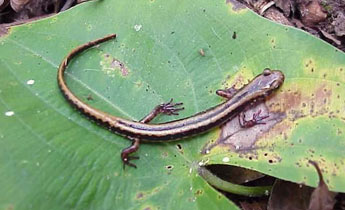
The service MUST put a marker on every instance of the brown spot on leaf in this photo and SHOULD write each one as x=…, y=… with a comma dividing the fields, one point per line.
x=301, y=103
x=179, y=147
x=169, y=167
x=140, y=195
x=242, y=139
x=234, y=35
x=115, y=63
x=291, y=100
x=111, y=65
x=322, y=93
x=89, y=97
x=202, y=52
x=199, y=192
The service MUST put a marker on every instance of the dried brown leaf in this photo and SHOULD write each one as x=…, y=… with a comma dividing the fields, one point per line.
x=329, y=36
x=321, y=198
x=275, y=15
x=339, y=24
x=285, y=6
x=19, y=5
x=289, y=196
x=311, y=12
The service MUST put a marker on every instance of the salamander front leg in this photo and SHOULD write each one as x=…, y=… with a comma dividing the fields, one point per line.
x=168, y=108
x=227, y=93
x=256, y=119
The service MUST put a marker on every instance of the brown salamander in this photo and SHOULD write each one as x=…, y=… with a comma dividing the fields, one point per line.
x=260, y=87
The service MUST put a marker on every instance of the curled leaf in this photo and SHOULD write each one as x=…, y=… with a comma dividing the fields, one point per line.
x=321, y=198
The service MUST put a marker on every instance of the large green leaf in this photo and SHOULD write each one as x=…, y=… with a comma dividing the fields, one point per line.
x=52, y=157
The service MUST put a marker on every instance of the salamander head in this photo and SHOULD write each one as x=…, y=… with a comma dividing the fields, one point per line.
x=264, y=83
x=270, y=79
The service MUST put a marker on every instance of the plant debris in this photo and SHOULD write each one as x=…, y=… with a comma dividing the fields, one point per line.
x=21, y=10
x=324, y=19
x=284, y=195
x=289, y=196
x=321, y=198
x=311, y=12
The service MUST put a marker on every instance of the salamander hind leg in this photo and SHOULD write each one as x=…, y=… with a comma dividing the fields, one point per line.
x=256, y=119
x=129, y=150
x=168, y=108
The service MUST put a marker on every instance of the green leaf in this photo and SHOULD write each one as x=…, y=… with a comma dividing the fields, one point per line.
x=52, y=157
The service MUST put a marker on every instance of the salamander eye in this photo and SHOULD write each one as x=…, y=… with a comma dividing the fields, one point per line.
x=267, y=72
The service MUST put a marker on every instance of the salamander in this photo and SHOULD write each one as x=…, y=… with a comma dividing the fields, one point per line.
x=141, y=131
